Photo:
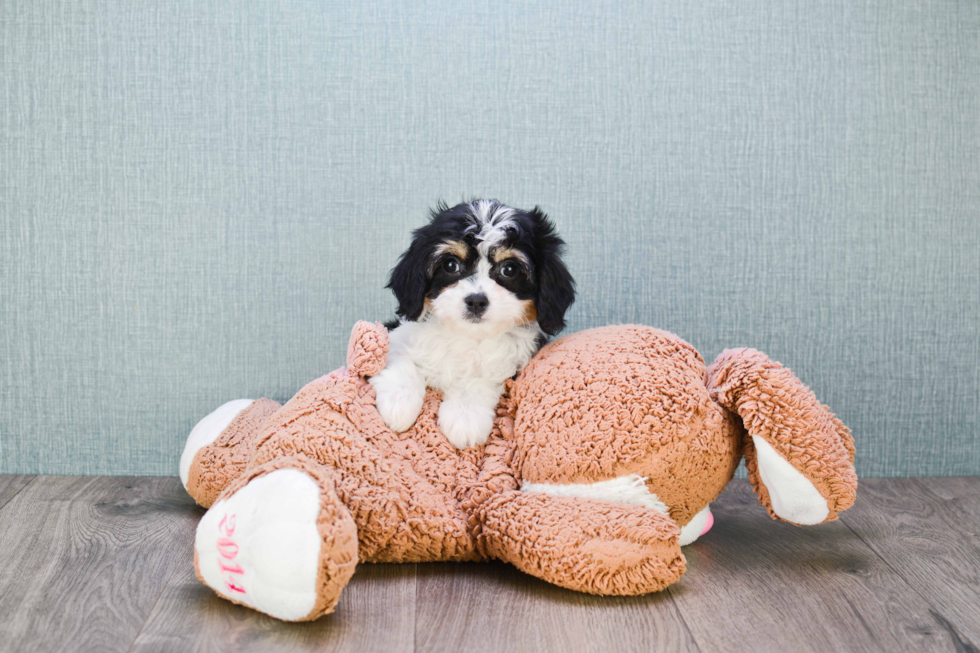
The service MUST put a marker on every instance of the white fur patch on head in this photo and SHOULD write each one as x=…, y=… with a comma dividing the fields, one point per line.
x=493, y=220
x=630, y=489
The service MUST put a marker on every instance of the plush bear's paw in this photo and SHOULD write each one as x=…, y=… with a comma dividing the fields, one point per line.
x=792, y=496
x=207, y=431
x=465, y=424
x=399, y=406
x=265, y=546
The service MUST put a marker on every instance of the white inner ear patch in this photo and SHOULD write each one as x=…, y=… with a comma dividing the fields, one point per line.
x=793, y=496
x=631, y=489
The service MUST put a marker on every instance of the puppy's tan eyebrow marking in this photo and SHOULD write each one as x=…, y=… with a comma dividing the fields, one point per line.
x=506, y=253
x=454, y=247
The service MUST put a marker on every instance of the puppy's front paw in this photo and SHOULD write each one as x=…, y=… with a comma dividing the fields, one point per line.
x=465, y=424
x=399, y=407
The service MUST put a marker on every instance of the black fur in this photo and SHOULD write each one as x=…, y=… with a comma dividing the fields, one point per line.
x=554, y=284
x=545, y=280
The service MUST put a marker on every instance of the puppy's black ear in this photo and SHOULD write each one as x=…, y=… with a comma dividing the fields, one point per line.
x=556, y=287
x=410, y=278
x=556, y=292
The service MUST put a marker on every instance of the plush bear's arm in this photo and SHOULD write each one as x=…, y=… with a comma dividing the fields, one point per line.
x=582, y=544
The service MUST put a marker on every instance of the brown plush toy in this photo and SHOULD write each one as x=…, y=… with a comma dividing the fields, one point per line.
x=607, y=450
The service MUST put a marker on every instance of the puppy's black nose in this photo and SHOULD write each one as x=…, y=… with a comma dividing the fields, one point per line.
x=477, y=304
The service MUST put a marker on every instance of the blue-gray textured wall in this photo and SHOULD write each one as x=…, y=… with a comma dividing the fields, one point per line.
x=197, y=199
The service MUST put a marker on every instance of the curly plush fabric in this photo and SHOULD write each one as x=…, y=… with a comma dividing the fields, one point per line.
x=588, y=546
x=774, y=405
x=367, y=350
x=337, y=530
x=622, y=402
x=219, y=463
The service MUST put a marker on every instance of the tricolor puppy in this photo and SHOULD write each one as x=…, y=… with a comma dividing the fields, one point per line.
x=478, y=290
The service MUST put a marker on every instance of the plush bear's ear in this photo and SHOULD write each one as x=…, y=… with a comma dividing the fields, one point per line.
x=367, y=350
x=556, y=287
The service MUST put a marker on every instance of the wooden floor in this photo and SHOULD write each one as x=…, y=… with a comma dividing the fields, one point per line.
x=104, y=564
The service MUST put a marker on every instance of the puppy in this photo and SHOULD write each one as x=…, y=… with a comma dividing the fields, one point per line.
x=479, y=290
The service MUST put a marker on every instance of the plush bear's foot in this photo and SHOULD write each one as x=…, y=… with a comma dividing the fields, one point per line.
x=207, y=431
x=279, y=541
x=791, y=495
x=700, y=524
x=799, y=456
x=220, y=446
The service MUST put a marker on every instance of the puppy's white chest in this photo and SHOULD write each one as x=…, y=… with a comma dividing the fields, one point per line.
x=449, y=360
x=480, y=359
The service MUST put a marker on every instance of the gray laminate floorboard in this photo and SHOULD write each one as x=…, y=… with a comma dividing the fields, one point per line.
x=11, y=485
x=757, y=584
x=105, y=564
x=928, y=530
x=477, y=607
x=84, y=560
x=377, y=613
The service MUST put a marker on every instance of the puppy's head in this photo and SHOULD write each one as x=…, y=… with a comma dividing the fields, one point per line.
x=482, y=268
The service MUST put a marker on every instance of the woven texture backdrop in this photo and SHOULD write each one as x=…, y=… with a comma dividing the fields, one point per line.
x=197, y=199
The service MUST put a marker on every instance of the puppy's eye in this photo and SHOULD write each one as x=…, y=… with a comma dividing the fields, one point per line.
x=450, y=265
x=508, y=270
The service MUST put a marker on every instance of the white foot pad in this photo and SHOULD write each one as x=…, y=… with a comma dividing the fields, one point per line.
x=261, y=546
x=207, y=431
x=700, y=524
x=793, y=496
